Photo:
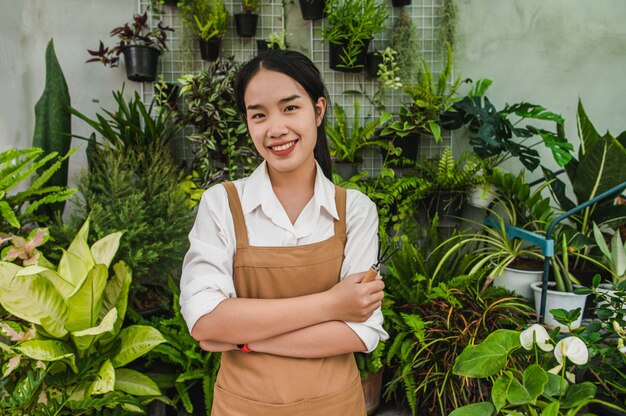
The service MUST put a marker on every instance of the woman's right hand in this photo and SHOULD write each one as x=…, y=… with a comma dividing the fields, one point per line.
x=353, y=301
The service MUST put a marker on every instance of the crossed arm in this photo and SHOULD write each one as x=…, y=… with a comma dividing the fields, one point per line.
x=306, y=326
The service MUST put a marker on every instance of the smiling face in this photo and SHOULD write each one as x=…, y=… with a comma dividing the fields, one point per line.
x=282, y=121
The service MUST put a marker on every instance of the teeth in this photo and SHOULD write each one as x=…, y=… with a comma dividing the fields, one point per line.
x=283, y=146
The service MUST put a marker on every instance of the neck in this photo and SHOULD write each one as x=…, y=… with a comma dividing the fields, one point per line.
x=298, y=180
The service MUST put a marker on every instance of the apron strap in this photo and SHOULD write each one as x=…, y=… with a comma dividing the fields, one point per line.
x=340, y=204
x=241, y=232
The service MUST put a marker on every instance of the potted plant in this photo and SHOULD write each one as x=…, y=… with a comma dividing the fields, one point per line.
x=449, y=181
x=428, y=100
x=349, y=28
x=346, y=143
x=75, y=311
x=140, y=45
x=246, y=22
x=276, y=40
x=533, y=373
x=312, y=9
x=208, y=21
x=431, y=318
x=498, y=135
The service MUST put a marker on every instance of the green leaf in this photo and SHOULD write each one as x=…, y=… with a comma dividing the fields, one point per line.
x=475, y=409
x=86, y=338
x=85, y=304
x=136, y=340
x=489, y=357
x=105, y=381
x=48, y=350
x=116, y=295
x=104, y=249
x=498, y=392
x=33, y=298
x=578, y=394
x=64, y=287
x=554, y=386
x=77, y=261
x=551, y=410
x=135, y=383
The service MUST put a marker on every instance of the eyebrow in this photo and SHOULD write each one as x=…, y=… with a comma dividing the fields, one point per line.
x=281, y=101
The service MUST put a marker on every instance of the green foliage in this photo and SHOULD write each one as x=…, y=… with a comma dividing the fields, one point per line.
x=16, y=167
x=131, y=124
x=53, y=125
x=137, y=191
x=352, y=23
x=225, y=150
x=429, y=98
x=345, y=142
x=496, y=135
x=405, y=41
x=250, y=6
x=447, y=174
x=77, y=310
x=523, y=384
x=207, y=19
x=191, y=364
x=432, y=318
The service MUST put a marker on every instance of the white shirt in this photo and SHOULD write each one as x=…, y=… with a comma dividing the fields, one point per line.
x=207, y=277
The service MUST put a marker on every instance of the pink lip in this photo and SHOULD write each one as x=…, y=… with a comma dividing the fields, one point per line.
x=283, y=152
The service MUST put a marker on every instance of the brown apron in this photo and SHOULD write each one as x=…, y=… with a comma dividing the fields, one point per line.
x=257, y=384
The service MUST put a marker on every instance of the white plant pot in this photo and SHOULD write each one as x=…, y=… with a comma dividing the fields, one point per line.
x=518, y=281
x=480, y=196
x=558, y=300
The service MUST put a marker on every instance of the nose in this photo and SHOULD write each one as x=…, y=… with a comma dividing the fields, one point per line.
x=277, y=127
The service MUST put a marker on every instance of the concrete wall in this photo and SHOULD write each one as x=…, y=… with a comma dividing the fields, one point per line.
x=545, y=52
x=26, y=27
x=549, y=53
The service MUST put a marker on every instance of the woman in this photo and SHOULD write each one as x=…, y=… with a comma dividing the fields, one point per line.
x=272, y=277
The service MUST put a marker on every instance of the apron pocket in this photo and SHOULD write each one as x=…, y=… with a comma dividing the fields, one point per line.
x=226, y=403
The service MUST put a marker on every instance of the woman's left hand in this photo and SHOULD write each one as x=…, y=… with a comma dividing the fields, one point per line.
x=216, y=346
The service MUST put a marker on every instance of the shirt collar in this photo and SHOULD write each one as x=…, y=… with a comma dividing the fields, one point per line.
x=258, y=192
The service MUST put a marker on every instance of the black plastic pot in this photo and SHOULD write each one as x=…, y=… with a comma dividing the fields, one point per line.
x=400, y=3
x=261, y=45
x=312, y=9
x=373, y=60
x=210, y=49
x=335, y=52
x=409, y=145
x=171, y=2
x=246, y=24
x=141, y=62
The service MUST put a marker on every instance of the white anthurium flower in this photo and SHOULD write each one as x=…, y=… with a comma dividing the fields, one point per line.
x=556, y=370
x=572, y=348
x=620, y=346
x=535, y=334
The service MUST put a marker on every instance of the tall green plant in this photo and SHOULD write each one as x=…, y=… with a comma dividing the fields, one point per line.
x=206, y=19
x=53, y=125
x=137, y=191
x=77, y=309
x=18, y=166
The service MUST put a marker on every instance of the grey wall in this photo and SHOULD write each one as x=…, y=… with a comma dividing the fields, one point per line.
x=549, y=53
x=26, y=26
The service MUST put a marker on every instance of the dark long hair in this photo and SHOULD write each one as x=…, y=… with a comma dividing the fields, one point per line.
x=300, y=68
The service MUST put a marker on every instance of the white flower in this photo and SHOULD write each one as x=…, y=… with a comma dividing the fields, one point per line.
x=535, y=334
x=572, y=348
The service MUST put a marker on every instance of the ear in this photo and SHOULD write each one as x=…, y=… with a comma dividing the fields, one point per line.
x=320, y=110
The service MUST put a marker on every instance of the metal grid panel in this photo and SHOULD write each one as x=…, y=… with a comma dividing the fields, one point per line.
x=183, y=57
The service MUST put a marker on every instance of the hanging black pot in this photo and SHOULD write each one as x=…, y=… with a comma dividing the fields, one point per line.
x=336, y=52
x=409, y=145
x=141, y=62
x=312, y=9
x=261, y=45
x=373, y=61
x=210, y=49
x=246, y=24
x=400, y=3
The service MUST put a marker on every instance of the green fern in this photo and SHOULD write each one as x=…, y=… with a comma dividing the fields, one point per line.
x=16, y=167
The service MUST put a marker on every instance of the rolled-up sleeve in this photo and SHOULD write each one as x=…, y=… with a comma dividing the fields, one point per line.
x=207, y=275
x=360, y=254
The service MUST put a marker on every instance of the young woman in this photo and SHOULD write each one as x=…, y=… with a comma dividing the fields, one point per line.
x=272, y=277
